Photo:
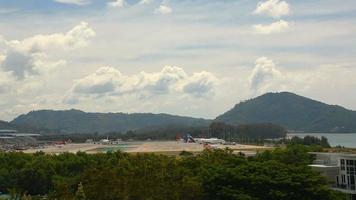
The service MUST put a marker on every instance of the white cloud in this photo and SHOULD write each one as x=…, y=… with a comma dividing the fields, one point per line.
x=266, y=76
x=263, y=74
x=273, y=8
x=74, y=38
x=275, y=27
x=75, y=2
x=164, y=9
x=18, y=63
x=108, y=81
x=6, y=81
x=104, y=80
x=2, y=58
x=200, y=84
x=29, y=56
x=145, y=2
x=117, y=3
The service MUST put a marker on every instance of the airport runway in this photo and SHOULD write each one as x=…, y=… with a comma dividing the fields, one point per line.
x=141, y=147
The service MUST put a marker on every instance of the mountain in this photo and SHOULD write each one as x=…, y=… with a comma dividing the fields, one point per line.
x=292, y=111
x=76, y=121
x=7, y=126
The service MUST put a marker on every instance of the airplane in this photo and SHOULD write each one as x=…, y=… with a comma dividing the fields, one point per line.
x=105, y=141
x=209, y=140
x=189, y=139
x=61, y=142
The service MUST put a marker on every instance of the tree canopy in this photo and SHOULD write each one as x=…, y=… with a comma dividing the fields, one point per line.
x=220, y=174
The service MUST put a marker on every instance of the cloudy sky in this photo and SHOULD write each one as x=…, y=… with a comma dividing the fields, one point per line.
x=187, y=57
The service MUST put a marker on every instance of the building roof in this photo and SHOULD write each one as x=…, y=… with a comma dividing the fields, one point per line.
x=345, y=154
x=324, y=166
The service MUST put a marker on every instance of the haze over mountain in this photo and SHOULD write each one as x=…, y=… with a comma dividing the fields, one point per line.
x=292, y=111
x=76, y=121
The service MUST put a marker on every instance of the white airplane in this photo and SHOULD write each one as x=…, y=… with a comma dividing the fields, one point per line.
x=209, y=140
x=189, y=139
x=105, y=141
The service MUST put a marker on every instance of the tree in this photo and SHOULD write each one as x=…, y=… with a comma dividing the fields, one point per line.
x=80, y=194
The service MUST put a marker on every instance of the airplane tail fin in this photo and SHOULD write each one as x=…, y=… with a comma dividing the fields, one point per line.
x=189, y=139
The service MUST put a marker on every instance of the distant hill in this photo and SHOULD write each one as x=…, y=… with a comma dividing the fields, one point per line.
x=292, y=111
x=7, y=126
x=76, y=121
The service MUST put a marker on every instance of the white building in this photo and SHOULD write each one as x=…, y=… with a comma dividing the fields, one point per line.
x=339, y=168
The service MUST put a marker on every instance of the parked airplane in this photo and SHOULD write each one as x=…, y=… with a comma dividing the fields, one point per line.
x=209, y=140
x=189, y=139
x=105, y=141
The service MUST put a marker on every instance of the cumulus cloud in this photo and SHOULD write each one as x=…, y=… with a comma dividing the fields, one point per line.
x=263, y=74
x=29, y=56
x=145, y=2
x=2, y=58
x=117, y=3
x=161, y=82
x=200, y=84
x=164, y=9
x=104, y=80
x=273, y=8
x=276, y=27
x=108, y=81
x=75, y=2
x=74, y=38
x=18, y=63
x=6, y=80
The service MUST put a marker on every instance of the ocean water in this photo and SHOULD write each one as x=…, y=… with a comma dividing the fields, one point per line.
x=342, y=139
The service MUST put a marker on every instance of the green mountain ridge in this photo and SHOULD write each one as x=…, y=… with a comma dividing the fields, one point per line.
x=289, y=110
x=6, y=126
x=292, y=111
x=76, y=121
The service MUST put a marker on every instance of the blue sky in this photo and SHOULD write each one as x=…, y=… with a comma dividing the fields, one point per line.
x=173, y=56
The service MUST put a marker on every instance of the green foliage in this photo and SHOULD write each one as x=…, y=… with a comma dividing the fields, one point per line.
x=80, y=194
x=6, y=126
x=309, y=141
x=251, y=131
x=186, y=153
x=281, y=174
x=293, y=155
x=292, y=112
x=76, y=121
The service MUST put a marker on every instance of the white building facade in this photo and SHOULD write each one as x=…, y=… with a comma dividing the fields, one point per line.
x=339, y=168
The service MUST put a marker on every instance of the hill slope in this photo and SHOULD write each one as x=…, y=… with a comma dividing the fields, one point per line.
x=76, y=121
x=293, y=112
x=7, y=126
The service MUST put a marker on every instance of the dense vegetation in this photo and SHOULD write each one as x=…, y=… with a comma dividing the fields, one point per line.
x=292, y=112
x=76, y=121
x=251, y=131
x=6, y=126
x=164, y=133
x=281, y=174
x=309, y=141
x=242, y=133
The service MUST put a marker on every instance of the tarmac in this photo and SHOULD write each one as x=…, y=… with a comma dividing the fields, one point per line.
x=169, y=147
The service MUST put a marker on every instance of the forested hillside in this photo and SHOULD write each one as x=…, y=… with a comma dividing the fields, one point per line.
x=76, y=121
x=6, y=126
x=293, y=112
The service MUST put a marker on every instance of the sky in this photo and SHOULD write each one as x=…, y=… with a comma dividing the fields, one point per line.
x=186, y=57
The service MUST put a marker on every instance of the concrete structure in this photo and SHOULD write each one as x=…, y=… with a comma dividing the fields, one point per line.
x=11, y=140
x=339, y=168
